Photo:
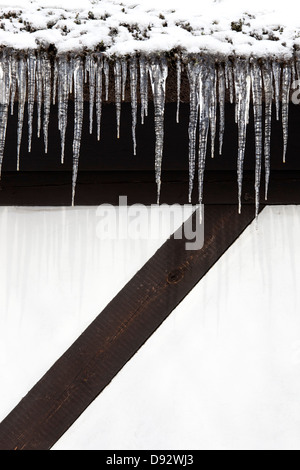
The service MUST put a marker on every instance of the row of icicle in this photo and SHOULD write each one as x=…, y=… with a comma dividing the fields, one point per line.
x=36, y=80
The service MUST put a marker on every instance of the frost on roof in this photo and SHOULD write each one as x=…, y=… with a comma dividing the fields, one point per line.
x=123, y=27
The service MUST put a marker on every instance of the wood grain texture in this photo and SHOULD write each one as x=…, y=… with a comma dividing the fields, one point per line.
x=89, y=365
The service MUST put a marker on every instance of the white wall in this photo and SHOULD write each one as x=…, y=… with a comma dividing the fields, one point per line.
x=58, y=271
x=223, y=371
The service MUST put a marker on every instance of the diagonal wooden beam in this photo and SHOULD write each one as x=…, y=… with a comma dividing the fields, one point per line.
x=89, y=365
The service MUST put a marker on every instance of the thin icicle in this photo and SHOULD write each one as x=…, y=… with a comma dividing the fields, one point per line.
x=55, y=77
x=39, y=93
x=257, y=89
x=91, y=67
x=144, y=87
x=178, y=72
x=78, y=119
x=229, y=79
x=276, y=67
x=133, y=93
x=118, y=92
x=124, y=77
x=31, y=67
x=13, y=81
x=158, y=74
x=193, y=71
x=46, y=75
x=99, y=68
x=206, y=99
x=213, y=107
x=63, y=96
x=4, y=102
x=242, y=81
x=221, y=97
x=106, y=76
x=286, y=87
x=268, y=93
x=22, y=86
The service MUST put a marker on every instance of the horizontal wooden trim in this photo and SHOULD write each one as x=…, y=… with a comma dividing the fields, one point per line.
x=94, y=188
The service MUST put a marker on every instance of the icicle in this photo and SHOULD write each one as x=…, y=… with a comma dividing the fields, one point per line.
x=106, y=76
x=268, y=93
x=286, y=86
x=99, y=68
x=63, y=96
x=4, y=102
x=46, y=76
x=55, y=76
x=242, y=82
x=13, y=81
x=71, y=74
x=118, y=92
x=144, y=87
x=133, y=93
x=178, y=70
x=124, y=77
x=39, y=93
x=91, y=67
x=221, y=96
x=78, y=119
x=229, y=79
x=158, y=74
x=206, y=98
x=256, y=80
x=213, y=108
x=277, y=77
x=193, y=71
x=22, y=84
x=31, y=67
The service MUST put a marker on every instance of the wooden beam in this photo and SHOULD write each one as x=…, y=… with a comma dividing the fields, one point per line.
x=94, y=188
x=89, y=365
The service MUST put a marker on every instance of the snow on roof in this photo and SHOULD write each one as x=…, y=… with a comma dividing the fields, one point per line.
x=225, y=27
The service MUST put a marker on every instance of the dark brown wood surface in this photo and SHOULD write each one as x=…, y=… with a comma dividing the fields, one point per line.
x=89, y=365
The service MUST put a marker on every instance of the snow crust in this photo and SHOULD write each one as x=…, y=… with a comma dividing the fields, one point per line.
x=225, y=27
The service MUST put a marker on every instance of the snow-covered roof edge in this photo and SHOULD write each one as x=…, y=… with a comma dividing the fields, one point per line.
x=127, y=27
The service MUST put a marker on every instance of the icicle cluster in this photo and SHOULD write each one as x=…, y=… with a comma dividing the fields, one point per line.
x=41, y=82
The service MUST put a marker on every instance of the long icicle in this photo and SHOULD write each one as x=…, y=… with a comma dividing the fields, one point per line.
x=31, y=67
x=78, y=119
x=13, y=81
x=133, y=93
x=276, y=67
x=47, y=78
x=256, y=80
x=158, y=68
x=22, y=86
x=242, y=82
x=144, y=87
x=193, y=71
x=124, y=77
x=4, y=102
x=178, y=73
x=39, y=92
x=213, y=107
x=286, y=87
x=99, y=69
x=268, y=93
x=118, y=93
x=221, y=98
x=63, y=97
x=90, y=66
x=206, y=99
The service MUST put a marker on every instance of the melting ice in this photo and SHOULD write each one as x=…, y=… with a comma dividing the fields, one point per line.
x=38, y=80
